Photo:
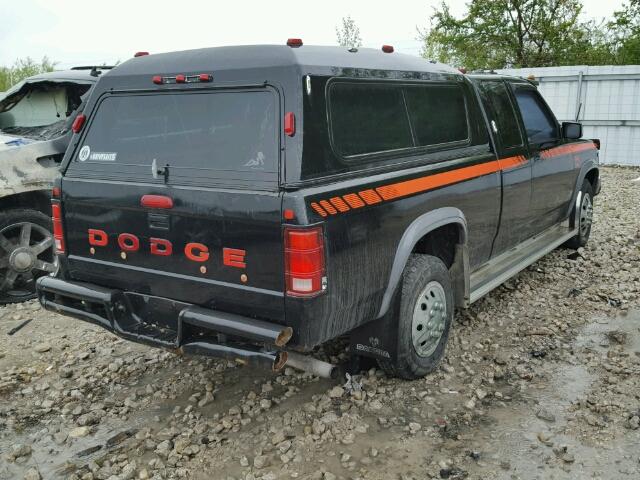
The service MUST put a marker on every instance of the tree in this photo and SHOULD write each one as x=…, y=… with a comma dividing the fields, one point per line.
x=514, y=33
x=349, y=34
x=625, y=32
x=21, y=69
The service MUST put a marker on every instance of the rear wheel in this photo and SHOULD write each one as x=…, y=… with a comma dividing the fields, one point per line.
x=426, y=314
x=26, y=253
x=585, y=217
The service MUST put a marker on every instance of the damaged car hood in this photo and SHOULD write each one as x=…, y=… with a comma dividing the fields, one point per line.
x=30, y=152
x=19, y=90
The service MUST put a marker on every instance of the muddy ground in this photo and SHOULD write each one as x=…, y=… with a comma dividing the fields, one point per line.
x=541, y=381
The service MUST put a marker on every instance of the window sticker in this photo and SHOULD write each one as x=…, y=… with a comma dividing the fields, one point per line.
x=256, y=163
x=86, y=154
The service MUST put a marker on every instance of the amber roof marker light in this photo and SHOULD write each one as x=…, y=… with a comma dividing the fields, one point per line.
x=294, y=42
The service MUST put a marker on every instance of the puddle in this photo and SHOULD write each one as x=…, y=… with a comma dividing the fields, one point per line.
x=231, y=385
x=513, y=439
x=609, y=332
x=51, y=458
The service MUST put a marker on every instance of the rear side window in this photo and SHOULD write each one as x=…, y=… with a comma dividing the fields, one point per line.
x=368, y=118
x=538, y=120
x=496, y=97
x=353, y=125
x=376, y=118
x=222, y=138
x=438, y=114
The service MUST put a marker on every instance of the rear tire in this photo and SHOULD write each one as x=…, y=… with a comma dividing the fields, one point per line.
x=425, y=318
x=26, y=253
x=585, y=218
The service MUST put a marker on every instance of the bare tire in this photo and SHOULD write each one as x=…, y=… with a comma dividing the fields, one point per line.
x=424, y=322
x=26, y=253
x=585, y=217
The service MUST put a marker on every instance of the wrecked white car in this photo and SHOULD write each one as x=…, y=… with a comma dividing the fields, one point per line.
x=36, y=116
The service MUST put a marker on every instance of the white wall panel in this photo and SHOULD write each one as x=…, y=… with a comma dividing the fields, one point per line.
x=610, y=98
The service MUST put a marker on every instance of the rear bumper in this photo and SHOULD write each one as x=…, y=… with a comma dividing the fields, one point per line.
x=166, y=323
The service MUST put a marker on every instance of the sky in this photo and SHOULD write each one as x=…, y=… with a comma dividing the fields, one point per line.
x=85, y=32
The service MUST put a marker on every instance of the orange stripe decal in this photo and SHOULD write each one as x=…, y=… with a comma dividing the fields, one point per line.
x=567, y=149
x=318, y=209
x=430, y=182
x=328, y=207
x=353, y=200
x=409, y=187
x=511, y=162
x=339, y=204
x=370, y=196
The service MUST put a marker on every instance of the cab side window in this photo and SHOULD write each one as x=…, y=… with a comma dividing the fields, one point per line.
x=538, y=120
x=495, y=97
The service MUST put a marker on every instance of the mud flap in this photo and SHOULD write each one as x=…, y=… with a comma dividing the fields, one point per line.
x=378, y=338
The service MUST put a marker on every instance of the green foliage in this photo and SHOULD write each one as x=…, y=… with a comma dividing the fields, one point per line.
x=625, y=28
x=530, y=33
x=349, y=34
x=21, y=69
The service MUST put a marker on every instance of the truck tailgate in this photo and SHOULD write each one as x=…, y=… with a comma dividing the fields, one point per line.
x=176, y=195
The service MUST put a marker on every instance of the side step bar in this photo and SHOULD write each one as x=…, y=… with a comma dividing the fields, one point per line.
x=498, y=270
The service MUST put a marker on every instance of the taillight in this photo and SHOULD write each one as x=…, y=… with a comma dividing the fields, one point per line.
x=304, y=261
x=58, y=232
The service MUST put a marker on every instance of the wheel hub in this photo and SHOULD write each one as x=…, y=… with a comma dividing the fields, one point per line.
x=25, y=254
x=429, y=319
x=22, y=259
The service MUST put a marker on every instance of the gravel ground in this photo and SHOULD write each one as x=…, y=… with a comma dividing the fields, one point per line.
x=541, y=381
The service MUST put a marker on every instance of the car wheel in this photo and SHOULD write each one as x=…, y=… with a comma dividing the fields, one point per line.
x=585, y=217
x=425, y=317
x=26, y=253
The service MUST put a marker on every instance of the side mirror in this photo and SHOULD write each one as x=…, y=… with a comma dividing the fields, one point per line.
x=572, y=130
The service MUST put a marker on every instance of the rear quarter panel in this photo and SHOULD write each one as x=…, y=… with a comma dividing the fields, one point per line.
x=361, y=243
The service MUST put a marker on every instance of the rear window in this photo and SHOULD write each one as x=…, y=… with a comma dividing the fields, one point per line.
x=377, y=118
x=213, y=138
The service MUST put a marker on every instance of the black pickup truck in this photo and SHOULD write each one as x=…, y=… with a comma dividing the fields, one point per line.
x=254, y=202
